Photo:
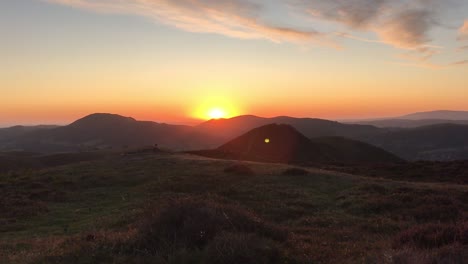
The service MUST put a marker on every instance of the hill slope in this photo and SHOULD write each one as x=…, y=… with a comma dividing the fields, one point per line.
x=130, y=209
x=434, y=142
x=440, y=114
x=110, y=131
x=284, y=144
x=310, y=127
x=105, y=131
x=408, y=123
x=437, y=142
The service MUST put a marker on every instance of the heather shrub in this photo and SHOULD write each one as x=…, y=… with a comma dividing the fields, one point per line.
x=192, y=224
x=233, y=248
x=452, y=254
x=403, y=203
x=295, y=172
x=239, y=169
x=429, y=236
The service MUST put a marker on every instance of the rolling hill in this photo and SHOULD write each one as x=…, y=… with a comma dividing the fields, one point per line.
x=417, y=119
x=432, y=142
x=440, y=114
x=284, y=144
x=310, y=127
x=436, y=142
x=108, y=131
x=104, y=131
x=130, y=209
x=407, y=123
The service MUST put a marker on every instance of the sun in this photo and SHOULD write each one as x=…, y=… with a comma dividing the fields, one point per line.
x=215, y=107
x=216, y=113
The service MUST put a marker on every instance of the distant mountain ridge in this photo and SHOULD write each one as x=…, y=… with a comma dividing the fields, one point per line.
x=435, y=142
x=407, y=123
x=311, y=127
x=417, y=119
x=104, y=131
x=439, y=114
x=108, y=131
x=280, y=143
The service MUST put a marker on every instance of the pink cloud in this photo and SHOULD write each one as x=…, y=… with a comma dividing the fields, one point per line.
x=232, y=18
x=463, y=31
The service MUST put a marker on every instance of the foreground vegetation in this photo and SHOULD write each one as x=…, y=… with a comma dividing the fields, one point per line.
x=176, y=208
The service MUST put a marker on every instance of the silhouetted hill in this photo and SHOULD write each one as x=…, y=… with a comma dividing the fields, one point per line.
x=11, y=161
x=103, y=131
x=436, y=142
x=440, y=114
x=354, y=151
x=15, y=131
x=284, y=144
x=310, y=127
x=416, y=119
x=407, y=123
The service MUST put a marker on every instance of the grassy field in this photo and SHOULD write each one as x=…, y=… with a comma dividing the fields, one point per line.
x=178, y=208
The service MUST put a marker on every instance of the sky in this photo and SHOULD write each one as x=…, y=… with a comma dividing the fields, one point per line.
x=188, y=60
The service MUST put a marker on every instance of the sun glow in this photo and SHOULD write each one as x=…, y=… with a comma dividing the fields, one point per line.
x=215, y=108
x=216, y=113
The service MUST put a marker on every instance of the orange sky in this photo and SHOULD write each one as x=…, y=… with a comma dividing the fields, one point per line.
x=63, y=60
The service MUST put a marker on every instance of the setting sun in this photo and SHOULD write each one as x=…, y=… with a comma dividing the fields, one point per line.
x=216, y=107
x=216, y=113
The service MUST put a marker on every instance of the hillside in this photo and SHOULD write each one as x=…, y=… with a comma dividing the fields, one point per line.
x=440, y=114
x=408, y=123
x=434, y=142
x=106, y=131
x=284, y=144
x=127, y=209
x=310, y=127
x=7, y=135
x=437, y=142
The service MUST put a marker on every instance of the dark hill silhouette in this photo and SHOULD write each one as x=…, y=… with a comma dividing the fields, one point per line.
x=310, y=127
x=439, y=114
x=407, y=123
x=15, y=131
x=436, y=142
x=104, y=131
x=284, y=144
x=417, y=119
x=354, y=151
x=111, y=131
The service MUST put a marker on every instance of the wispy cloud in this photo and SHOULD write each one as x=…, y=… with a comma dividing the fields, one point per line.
x=462, y=48
x=407, y=29
x=357, y=14
x=458, y=63
x=463, y=31
x=399, y=23
x=233, y=18
x=403, y=24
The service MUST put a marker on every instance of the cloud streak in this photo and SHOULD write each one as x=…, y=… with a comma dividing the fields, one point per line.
x=232, y=18
x=403, y=24
x=463, y=31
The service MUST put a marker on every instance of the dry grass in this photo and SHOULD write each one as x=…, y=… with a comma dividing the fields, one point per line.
x=164, y=208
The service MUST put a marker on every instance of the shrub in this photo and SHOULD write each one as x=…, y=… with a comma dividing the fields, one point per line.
x=295, y=172
x=241, y=248
x=454, y=254
x=239, y=169
x=192, y=224
x=422, y=206
x=430, y=236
